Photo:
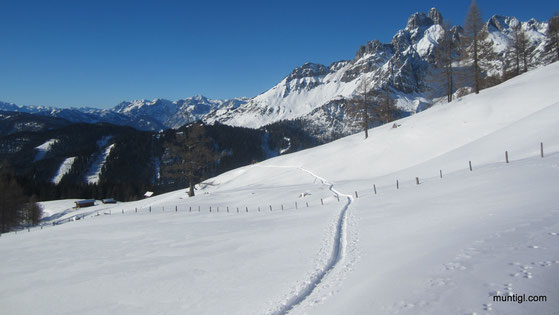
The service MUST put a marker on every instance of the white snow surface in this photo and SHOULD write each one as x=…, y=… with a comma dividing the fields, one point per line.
x=445, y=246
x=44, y=148
x=63, y=169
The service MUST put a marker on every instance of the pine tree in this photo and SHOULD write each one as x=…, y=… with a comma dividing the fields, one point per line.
x=32, y=211
x=552, y=37
x=12, y=199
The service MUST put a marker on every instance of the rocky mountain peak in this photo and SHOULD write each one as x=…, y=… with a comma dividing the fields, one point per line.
x=501, y=23
x=420, y=19
x=308, y=70
x=417, y=20
x=199, y=98
x=436, y=16
x=372, y=47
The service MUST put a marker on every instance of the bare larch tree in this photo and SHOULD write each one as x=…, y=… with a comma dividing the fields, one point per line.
x=193, y=153
x=475, y=49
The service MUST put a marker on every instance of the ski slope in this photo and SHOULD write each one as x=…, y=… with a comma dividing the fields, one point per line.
x=305, y=233
x=94, y=172
x=43, y=149
x=64, y=168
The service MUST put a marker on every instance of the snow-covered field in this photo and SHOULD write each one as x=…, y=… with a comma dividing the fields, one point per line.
x=445, y=246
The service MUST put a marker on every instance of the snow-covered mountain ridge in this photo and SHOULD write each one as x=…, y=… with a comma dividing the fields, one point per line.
x=315, y=92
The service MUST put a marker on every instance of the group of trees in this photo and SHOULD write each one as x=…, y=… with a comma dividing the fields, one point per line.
x=16, y=208
x=462, y=58
x=478, y=55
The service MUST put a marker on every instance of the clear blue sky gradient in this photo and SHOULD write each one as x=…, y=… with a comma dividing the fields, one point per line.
x=99, y=53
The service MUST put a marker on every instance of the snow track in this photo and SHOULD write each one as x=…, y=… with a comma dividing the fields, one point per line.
x=336, y=256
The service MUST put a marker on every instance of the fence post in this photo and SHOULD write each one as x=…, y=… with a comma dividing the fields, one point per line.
x=227, y=208
x=441, y=173
x=237, y=209
x=122, y=211
x=247, y=209
x=417, y=180
x=541, y=149
x=163, y=208
x=295, y=204
x=282, y=207
x=176, y=208
x=397, y=184
x=198, y=208
x=375, y=188
x=136, y=210
x=470, y=163
x=507, y=156
x=258, y=209
x=210, y=209
x=218, y=209
x=190, y=209
x=321, y=202
x=356, y=195
x=149, y=208
x=307, y=204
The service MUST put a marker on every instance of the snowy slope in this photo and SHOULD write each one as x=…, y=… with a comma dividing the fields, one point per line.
x=445, y=246
x=44, y=148
x=63, y=170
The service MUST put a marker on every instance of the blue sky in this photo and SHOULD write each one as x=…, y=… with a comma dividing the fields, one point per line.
x=99, y=53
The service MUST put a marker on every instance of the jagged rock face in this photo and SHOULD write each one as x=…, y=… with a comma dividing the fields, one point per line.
x=373, y=47
x=418, y=20
x=436, y=16
x=308, y=70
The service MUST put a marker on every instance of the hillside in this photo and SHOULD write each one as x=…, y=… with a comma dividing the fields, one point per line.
x=273, y=238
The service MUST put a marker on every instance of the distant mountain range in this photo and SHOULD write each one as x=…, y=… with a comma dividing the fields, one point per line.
x=316, y=94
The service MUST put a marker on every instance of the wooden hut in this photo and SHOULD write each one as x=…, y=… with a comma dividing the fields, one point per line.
x=85, y=203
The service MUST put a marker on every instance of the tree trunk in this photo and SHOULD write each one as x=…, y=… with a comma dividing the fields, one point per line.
x=476, y=67
x=191, y=189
